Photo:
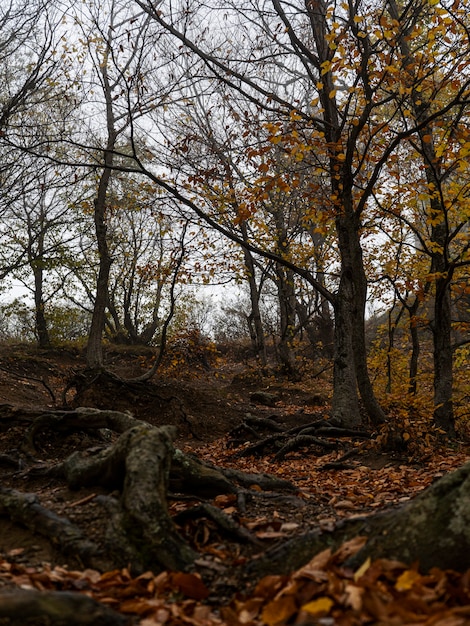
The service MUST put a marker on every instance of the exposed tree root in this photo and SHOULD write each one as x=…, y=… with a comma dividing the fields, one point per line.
x=284, y=441
x=68, y=538
x=223, y=521
x=83, y=418
x=60, y=608
x=142, y=465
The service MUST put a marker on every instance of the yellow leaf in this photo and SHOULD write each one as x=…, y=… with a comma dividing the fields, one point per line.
x=321, y=605
x=294, y=116
x=279, y=610
x=407, y=580
x=363, y=569
x=332, y=93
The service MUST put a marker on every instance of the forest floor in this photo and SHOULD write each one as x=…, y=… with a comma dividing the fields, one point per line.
x=206, y=407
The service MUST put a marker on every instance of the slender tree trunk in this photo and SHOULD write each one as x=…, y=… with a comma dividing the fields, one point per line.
x=94, y=354
x=286, y=296
x=306, y=322
x=256, y=326
x=42, y=331
x=443, y=359
x=415, y=348
x=36, y=237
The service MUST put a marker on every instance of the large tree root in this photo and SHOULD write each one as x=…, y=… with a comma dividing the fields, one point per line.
x=62, y=608
x=68, y=538
x=141, y=528
x=433, y=529
x=142, y=465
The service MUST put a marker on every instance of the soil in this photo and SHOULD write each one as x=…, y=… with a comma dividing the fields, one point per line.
x=205, y=406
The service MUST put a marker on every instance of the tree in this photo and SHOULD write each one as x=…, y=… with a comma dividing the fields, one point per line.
x=345, y=95
x=119, y=70
x=430, y=83
x=27, y=40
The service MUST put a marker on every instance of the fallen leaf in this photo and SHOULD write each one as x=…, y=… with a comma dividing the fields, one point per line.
x=269, y=534
x=279, y=610
x=354, y=597
x=289, y=526
x=406, y=580
x=190, y=585
x=320, y=605
x=362, y=570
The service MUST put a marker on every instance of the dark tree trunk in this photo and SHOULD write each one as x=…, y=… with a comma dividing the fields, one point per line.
x=286, y=296
x=415, y=347
x=255, y=322
x=345, y=404
x=440, y=238
x=443, y=359
x=42, y=330
x=350, y=312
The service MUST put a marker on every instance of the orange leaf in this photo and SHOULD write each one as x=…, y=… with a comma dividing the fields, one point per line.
x=190, y=585
x=407, y=580
x=279, y=610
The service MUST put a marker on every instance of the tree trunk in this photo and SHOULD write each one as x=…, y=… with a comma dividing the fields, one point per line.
x=94, y=354
x=345, y=403
x=350, y=312
x=256, y=326
x=286, y=296
x=443, y=359
x=415, y=347
x=42, y=331
x=306, y=322
x=437, y=214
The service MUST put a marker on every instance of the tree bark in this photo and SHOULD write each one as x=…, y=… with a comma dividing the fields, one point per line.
x=345, y=402
x=351, y=353
x=286, y=296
